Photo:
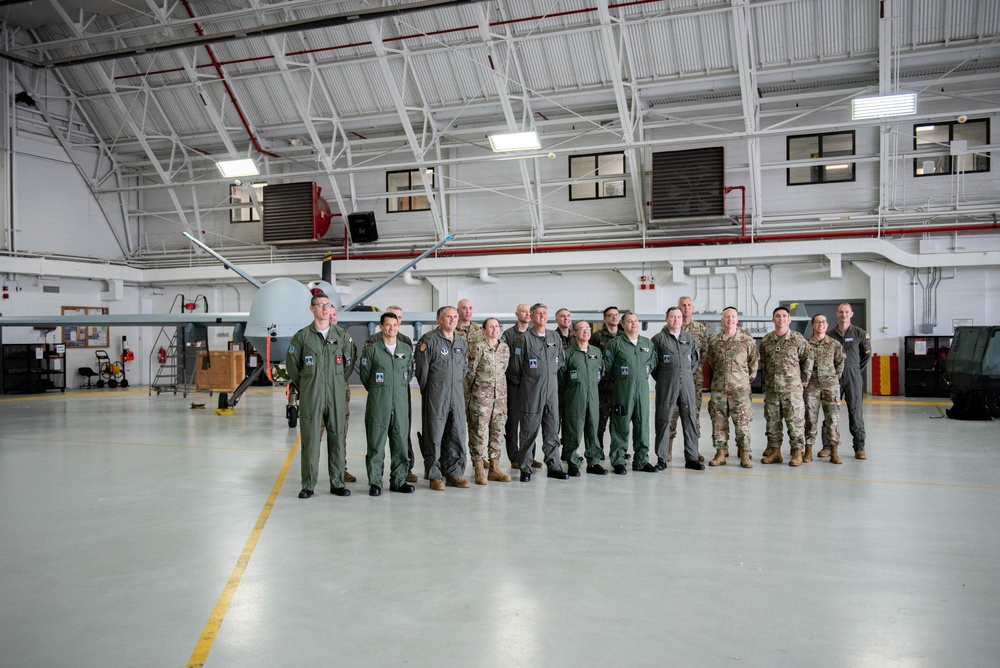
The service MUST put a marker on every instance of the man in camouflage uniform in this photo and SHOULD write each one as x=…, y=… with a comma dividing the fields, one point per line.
x=629, y=359
x=374, y=338
x=601, y=339
x=486, y=392
x=470, y=330
x=823, y=389
x=788, y=366
x=386, y=369
x=564, y=322
x=579, y=379
x=857, y=347
x=514, y=338
x=676, y=358
x=442, y=359
x=733, y=358
x=698, y=332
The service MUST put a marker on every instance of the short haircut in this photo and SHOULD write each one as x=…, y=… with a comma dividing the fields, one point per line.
x=488, y=319
x=394, y=308
x=610, y=308
x=781, y=308
x=561, y=310
x=628, y=313
x=580, y=322
x=733, y=308
x=818, y=315
x=682, y=298
x=673, y=308
x=440, y=311
x=317, y=295
x=535, y=307
x=387, y=316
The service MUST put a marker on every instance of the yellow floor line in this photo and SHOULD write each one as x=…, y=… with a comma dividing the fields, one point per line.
x=208, y=634
x=863, y=480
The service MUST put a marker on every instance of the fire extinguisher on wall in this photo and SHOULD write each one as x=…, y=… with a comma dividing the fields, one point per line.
x=161, y=355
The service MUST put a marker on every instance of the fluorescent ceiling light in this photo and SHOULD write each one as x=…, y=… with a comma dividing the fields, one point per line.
x=838, y=166
x=515, y=141
x=233, y=168
x=884, y=105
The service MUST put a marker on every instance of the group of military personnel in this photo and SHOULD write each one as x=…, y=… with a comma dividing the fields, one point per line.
x=568, y=384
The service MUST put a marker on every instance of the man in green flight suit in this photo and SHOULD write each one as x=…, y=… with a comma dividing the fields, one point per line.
x=319, y=362
x=386, y=369
x=578, y=379
x=629, y=359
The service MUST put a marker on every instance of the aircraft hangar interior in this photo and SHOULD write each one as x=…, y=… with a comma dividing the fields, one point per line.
x=177, y=175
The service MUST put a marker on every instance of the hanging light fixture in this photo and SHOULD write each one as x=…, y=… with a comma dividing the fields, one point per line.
x=515, y=141
x=233, y=168
x=880, y=106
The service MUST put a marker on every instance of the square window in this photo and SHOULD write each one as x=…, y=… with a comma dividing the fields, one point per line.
x=812, y=147
x=407, y=181
x=936, y=140
x=583, y=167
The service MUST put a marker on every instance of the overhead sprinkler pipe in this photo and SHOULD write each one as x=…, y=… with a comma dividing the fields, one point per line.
x=743, y=216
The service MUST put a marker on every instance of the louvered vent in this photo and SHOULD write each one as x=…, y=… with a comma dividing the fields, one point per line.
x=688, y=184
x=294, y=213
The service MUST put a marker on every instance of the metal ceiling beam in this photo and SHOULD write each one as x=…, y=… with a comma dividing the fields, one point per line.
x=750, y=98
x=395, y=90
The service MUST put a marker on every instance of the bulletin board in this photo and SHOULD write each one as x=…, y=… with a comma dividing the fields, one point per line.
x=83, y=336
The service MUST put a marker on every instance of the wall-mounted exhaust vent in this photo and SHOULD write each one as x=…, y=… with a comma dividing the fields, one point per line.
x=688, y=184
x=294, y=213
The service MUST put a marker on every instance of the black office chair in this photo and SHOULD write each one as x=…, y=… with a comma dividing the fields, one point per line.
x=89, y=374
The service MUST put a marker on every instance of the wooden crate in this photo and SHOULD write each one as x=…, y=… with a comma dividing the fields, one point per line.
x=227, y=371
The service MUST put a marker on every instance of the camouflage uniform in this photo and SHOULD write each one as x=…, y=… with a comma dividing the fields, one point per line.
x=734, y=366
x=823, y=390
x=788, y=365
x=472, y=332
x=601, y=339
x=699, y=333
x=486, y=398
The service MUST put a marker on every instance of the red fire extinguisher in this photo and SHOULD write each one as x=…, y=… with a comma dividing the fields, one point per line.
x=161, y=356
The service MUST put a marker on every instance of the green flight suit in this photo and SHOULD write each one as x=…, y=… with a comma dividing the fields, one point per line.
x=578, y=380
x=386, y=375
x=629, y=366
x=320, y=367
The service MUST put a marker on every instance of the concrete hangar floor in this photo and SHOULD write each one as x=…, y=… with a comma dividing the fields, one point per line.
x=138, y=532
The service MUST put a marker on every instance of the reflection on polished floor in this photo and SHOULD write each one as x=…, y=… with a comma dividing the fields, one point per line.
x=125, y=516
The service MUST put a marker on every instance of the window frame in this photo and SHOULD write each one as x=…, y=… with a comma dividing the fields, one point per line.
x=952, y=162
x=596, y=172
x=248, y=204
x=407, y=200
x=818, y=172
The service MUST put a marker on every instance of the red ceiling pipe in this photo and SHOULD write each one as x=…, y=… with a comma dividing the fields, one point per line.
x=229, y=91
x=661, y=243
x=743, y=189
x=388, y=39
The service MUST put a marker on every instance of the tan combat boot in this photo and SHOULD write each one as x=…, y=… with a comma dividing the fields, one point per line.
x=495, y=473
x=348, y=477
x=457, y=482
x=796, y=459
x=834, y=457
x=745, y=460
x=825, y=452
x=859, y=453
x=807, y=456
x=720, y=457
x=771, y=456
x=477, y=465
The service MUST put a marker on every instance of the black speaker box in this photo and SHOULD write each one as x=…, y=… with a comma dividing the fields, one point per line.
x=362, y=224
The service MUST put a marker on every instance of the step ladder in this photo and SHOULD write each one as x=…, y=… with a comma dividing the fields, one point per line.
x=177, y=370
